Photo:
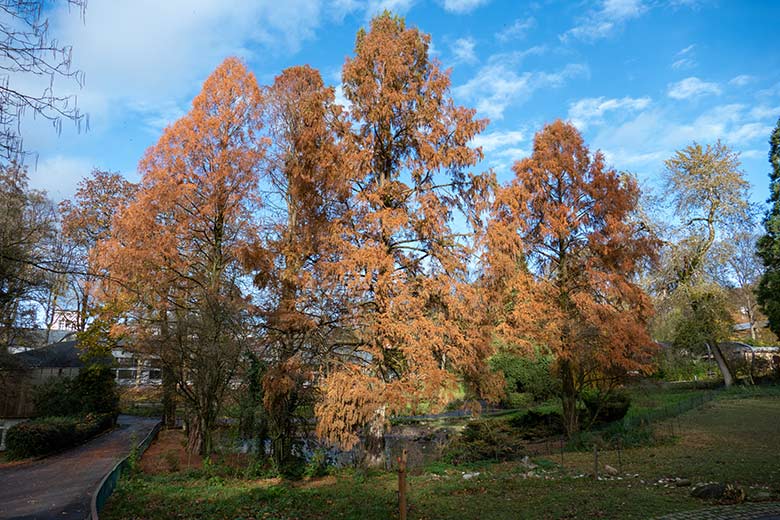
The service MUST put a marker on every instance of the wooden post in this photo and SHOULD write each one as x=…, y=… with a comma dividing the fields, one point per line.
x=620, y=459
x=595, y=461
x=402, y=484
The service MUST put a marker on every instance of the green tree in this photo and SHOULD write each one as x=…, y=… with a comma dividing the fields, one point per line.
x=27, y=229
x=769, y=244
x=709, y=196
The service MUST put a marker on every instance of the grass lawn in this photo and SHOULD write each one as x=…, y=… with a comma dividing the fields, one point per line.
x=731, y=439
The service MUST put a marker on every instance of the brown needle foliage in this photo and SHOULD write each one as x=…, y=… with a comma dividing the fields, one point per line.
x=174, y=251
x=563, y=252
x=406, y=338
x=306, y=183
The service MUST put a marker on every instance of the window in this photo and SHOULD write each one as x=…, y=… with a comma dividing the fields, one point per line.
x=125, y=373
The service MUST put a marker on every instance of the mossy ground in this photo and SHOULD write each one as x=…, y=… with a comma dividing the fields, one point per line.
x=732, y=439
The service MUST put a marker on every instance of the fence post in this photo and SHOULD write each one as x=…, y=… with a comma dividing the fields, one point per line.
x=595, y=461
x=402, y=484
x=620, y=459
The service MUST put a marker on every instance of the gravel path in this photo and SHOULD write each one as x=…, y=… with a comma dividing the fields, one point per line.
x=61, y=486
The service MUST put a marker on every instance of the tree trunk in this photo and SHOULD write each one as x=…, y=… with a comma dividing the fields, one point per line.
x=720, y=359
x=375, y=440
x=569, y=399
x=281, y=451
x=168, y=397
x=199, y=436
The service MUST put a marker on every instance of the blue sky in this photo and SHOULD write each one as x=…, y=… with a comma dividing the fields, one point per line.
x=640, y=78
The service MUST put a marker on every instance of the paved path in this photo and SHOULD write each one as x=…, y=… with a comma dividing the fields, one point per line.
x=757, y=511
x=61, y=486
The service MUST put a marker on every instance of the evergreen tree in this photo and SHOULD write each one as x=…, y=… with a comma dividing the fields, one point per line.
x=769, y=244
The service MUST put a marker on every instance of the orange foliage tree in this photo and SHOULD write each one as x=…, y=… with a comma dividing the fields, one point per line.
x=304, y=181
x=174, y=252
x=405, y=336
x=563, y=252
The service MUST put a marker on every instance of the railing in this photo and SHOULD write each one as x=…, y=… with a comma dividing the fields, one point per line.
x=667, y=411
x=109, y=482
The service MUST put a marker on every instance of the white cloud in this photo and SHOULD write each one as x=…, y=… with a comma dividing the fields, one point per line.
x=741, y=80
x=493, y=141
x=463, y=50
x=514, y=153
x=590, y=111
x=396, y=6
x=463, y=6
x=340, y=98
x=151, y=53
x=687, y=50
x=653, y=135
x=684, y=63
x=603, y=22
x=690, y=87
x=498, y=84
x=765, y=111
x=517, y=30
x=753, y=154
x=59, y=175
x=748, y=132
x=772, y=91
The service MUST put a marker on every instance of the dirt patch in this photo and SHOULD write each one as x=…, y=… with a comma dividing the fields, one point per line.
x=315, y=483
x=167, y=454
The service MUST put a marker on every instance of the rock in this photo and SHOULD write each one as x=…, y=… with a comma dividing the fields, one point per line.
x=718, y=491
x=682, y=482
x=760, y=496
x=467, y=476
x=609, y=470
x=708, y=491
x=526, y=463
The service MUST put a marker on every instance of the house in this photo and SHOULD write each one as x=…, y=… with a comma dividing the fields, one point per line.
x=22, y=372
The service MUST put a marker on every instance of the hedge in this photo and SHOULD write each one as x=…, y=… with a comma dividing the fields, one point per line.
x=49, y=434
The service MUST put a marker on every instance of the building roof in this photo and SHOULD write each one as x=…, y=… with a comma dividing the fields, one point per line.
x=64, y=354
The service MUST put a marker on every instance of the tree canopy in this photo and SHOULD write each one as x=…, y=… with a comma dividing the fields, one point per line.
x=769, y=244
x=563, y=251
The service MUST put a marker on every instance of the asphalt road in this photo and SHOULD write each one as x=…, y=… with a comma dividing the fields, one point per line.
x=61, y=486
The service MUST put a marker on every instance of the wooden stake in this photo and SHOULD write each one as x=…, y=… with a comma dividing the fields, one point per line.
x=402, y=484
x=620, y=459
x=595, y=462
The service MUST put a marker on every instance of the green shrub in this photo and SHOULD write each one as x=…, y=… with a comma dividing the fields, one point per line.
x=96, y=389
x=676, y=366
x=56, y=397
x=485, y=439
x=534, y=424
x=92, y=391
x=519, y=399
x=605, y=408
x=318, y=465
x=47, y=435
x=526, y=375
